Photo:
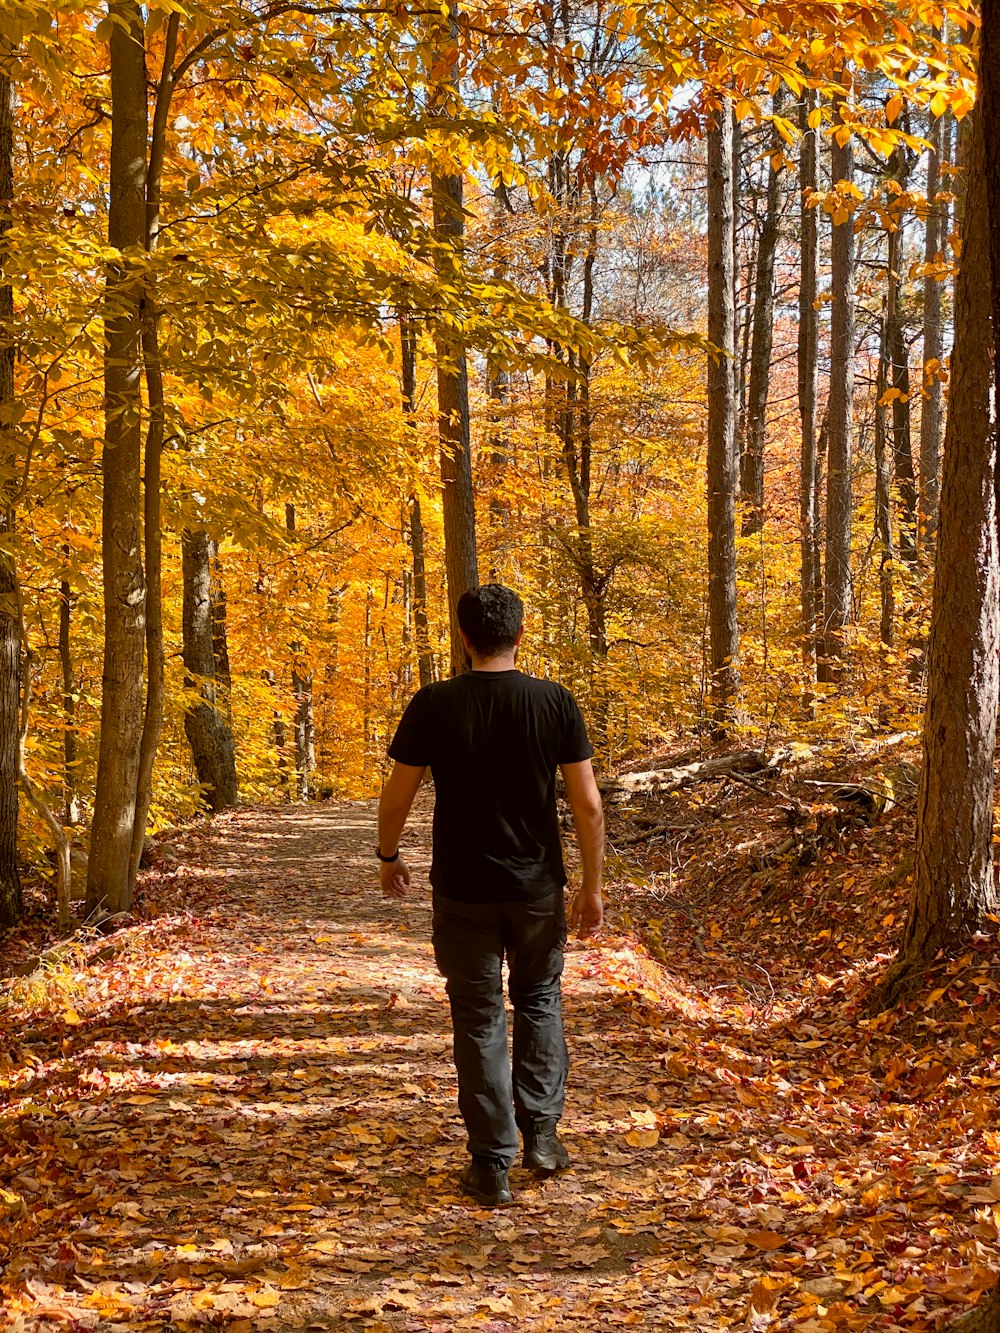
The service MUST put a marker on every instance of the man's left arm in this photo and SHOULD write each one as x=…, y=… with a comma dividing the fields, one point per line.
x=393, y=807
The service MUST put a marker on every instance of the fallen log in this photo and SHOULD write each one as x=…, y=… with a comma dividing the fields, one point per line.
x=665, y=780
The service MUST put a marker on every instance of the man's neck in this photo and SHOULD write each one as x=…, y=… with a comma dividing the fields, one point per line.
x=503, y=663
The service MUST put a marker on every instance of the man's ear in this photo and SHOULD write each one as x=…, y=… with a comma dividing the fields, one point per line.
x=520, y=636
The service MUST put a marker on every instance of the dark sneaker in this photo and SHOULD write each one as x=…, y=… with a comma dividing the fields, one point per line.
x=488, y=1185
x=545, y=1152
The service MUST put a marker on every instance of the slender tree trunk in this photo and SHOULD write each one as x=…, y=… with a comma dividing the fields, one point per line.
x=152, y=474
x=954, y=887
x=930, y=414
x=722, y=461
x=421, y=634
x=752, y=458
x=457, y=500
x=10, y=636
x=208, y=733
x=220, y=640
x=839, y=498
x=108, y=878
x=899, y=362
x=71, y=804
x=808, y=368
x=303, y=724
x=883, y=519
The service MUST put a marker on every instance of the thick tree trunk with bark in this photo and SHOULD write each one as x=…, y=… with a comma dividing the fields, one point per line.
x=10, y=636
x=808, y=383
x=108, y=880
x=954, y=887
x=839, y=497
x=930, y=413
x=208, y=733
x=722, y=461
x=752, y=458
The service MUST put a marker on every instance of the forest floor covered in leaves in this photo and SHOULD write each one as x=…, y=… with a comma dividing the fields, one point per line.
x=239, y=1111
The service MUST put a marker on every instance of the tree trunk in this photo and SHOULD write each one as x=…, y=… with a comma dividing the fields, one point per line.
x=152, y=723
x=954, y=887
x=899, y=362
x=722, y=462
x=209, y=736
x=220, y=640
x=808, y=368
x=930, y=414
x=421, y=634
x=303, y=723
x=108, y=880
x=989, y=111
x=457, y=499
x=839, y=500
x=11, y=905
x=71, y=804
x=883, y=515
x=752, y=458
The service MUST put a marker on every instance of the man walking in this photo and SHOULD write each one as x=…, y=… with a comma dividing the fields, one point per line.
x=494, y=739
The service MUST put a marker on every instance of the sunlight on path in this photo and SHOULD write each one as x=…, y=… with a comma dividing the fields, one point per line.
x=251, y=1124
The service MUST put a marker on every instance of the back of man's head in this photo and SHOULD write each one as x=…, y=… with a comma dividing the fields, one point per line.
x=491, y=617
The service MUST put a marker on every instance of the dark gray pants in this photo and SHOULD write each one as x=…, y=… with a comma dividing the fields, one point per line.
x=471, y=941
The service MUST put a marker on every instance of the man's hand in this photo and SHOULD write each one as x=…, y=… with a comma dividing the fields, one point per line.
x=586, y=912
x=394, y=876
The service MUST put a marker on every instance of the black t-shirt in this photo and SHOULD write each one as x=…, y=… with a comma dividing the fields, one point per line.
x=493, y=740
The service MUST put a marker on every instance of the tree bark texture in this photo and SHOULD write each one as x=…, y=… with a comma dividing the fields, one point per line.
x=808, y=381
x=883, y=508
x=208, y=733
x=303, y=721
x=839, y=498
x=10, y=635
x=108, y=883
x=722, y=461
x=989, y=111
x=899, y=363
x=457, y=499
x=954, y=885
x=71, y=804
x=152, y=723
x=762, y=342
x=933, y=340
x=421, y=631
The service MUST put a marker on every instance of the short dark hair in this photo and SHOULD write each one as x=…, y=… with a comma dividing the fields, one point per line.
x=491, y=617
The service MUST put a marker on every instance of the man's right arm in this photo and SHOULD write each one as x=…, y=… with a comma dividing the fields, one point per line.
x=587, y=911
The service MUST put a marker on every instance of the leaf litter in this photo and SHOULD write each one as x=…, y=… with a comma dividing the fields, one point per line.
x=246, y=1117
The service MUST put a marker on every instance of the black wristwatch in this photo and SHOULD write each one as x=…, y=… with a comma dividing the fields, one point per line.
x=387, y=859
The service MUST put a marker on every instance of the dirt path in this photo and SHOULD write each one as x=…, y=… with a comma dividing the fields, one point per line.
x=248, y=1121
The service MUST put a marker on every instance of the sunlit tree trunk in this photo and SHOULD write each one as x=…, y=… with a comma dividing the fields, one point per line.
x=10, y=637
x=722, y=461
x=933, y=348
x=457, y=500
x=899, y=364
x=839, y=497
x=108, y=879
x=808, y=383
x=303, y=723
x=418, y=601
x=954, y=886
x=71, y=804
x=883, y=512
x=762, y=342
x=211, y=741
